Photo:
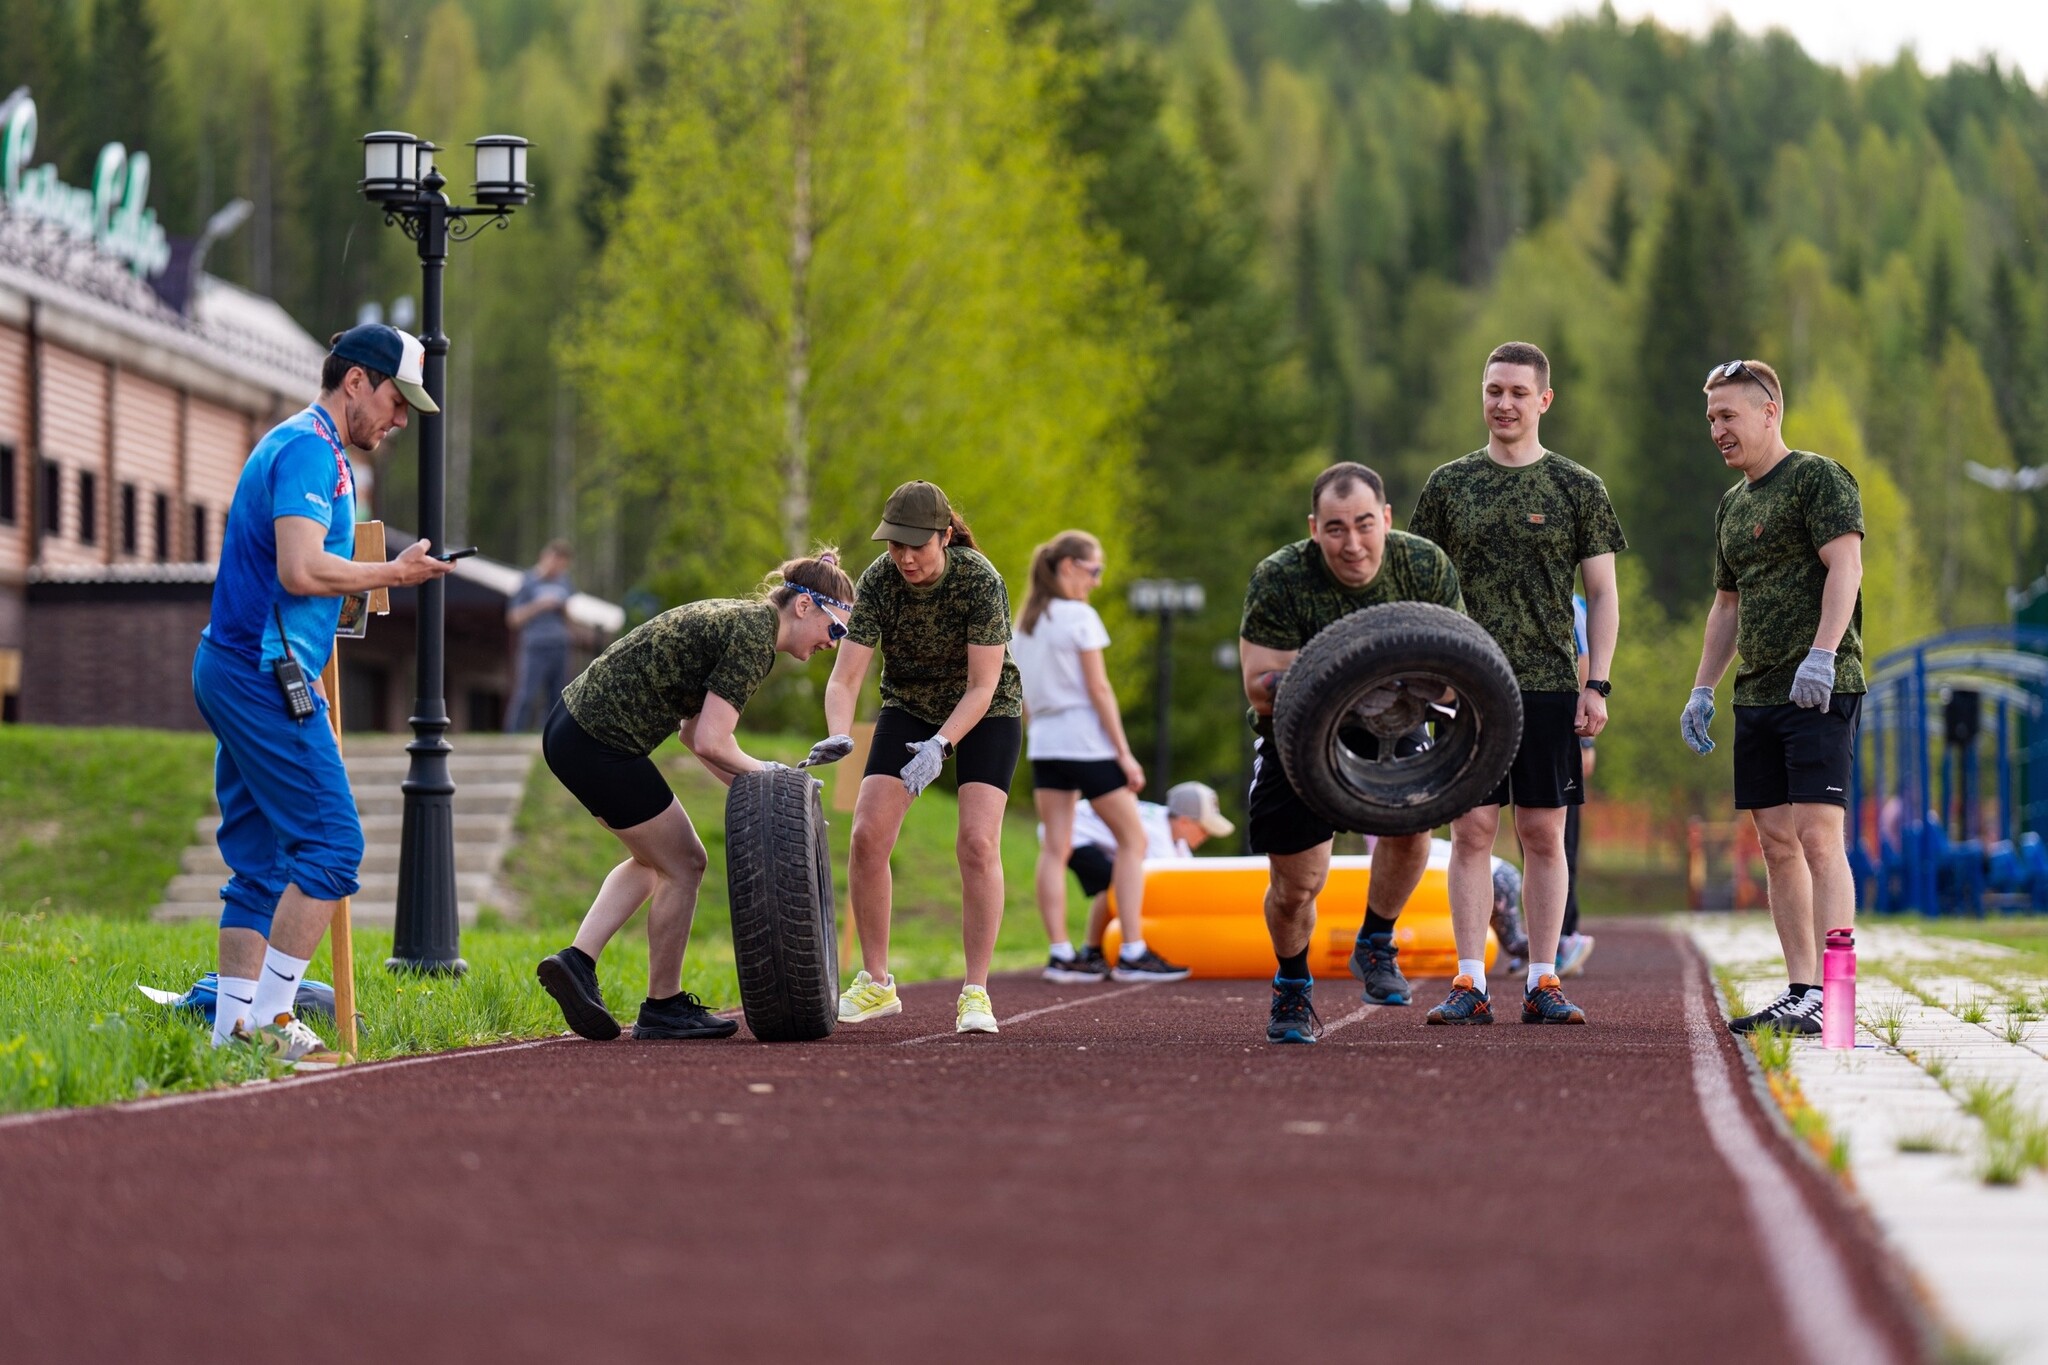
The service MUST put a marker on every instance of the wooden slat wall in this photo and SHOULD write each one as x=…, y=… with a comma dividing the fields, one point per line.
x=146, y=455
x=75, y=436
x=218, y=445
x=14, y=433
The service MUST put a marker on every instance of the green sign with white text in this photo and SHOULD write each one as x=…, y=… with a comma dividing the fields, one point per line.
x=112, y=214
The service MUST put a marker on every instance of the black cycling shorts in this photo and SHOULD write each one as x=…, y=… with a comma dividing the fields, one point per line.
x=988, y=753
x=1094, y=867
x=1787, y=755
x=619, y=788
x=1547, y=772
x=1278, y=821
x=1092, y=777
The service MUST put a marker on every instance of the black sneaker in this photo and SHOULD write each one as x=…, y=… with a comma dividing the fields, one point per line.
x=1095, y=961
x=1148, y=966
x=1765, y=1017
x=1294, y=1017
x=1375, y=961
x=1083, y=969
x=1801, y=1017
x=572, y=979
x=681, y=1016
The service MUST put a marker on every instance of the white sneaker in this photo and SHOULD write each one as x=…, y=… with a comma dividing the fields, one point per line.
x=868, y=998
x=975, y=1013
x=289, y=1040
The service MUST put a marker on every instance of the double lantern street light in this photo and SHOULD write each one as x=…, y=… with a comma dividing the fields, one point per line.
x=399, y=176
x=1164, y=598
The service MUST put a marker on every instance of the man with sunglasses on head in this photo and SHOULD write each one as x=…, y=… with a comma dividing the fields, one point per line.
x=1788, y=577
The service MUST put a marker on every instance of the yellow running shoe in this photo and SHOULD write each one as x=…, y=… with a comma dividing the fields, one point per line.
x=974, y=1013
x=868, y=998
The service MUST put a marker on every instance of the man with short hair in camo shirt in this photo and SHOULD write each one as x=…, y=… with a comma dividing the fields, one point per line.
x=1788, y=580
x=1521, y=522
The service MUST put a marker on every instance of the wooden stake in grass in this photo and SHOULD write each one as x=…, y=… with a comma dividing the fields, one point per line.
x=339, y=929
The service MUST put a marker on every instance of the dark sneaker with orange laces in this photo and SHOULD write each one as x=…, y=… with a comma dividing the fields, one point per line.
x=1547, y=1005
x=1294, y=1018
x=1466, y=1004
x=1376, y=962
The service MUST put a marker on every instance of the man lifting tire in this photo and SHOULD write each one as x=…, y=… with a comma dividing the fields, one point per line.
x=1353, y=559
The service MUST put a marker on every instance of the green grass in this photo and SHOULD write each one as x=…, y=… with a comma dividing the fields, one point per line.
x=1773, y=1049
x=1887, y=1021
x=2026, y=937
x=92, y=821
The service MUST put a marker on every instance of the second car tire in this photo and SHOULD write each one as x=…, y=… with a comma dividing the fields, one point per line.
x=784, y=931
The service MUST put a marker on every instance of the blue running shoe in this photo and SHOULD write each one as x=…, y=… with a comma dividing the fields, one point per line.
x=1376, y=964
x=1466, y=1004
x=1546, y=1005
x=1294, y=1013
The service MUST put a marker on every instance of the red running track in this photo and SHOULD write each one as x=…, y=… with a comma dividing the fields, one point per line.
x=1131, y=1175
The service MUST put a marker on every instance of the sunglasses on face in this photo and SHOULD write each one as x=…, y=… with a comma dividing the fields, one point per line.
x=835, y=629
x=1735, y=369
x=1094, y=571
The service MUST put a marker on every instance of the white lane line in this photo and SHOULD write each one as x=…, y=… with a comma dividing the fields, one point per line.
x=1348, y=1020
x=1820, y=1303
x=1033, y=1014
x=243, y=1092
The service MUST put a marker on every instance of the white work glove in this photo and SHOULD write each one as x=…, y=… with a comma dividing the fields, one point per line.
x=1378, y=701
x=1694, y=720
x=926, y=758
x=829, y=750
x=1813, y=686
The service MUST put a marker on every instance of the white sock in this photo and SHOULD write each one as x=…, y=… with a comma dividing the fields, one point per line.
x=235, y=996
x=1133, y=950
x=1063, y=951
x=1539, y=970
x=1474, y=967
x=278, y=988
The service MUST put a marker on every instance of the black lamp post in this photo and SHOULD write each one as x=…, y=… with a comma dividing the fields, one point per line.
x=399, y=177
x=1164, y=598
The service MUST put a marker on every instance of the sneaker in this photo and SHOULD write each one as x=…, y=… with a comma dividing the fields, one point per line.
x=681, y=1016
x=572, y=980
x=287, y=1040
x=974, y=1013
x=1092, y=958
x=1547, y=1005
x=868, y=998
x=1466, y=1004
x=1572, y=952
x=1801, y=1017
x=1375, y=961
x=1294, y=1018
x=1084, y=969
x=1765, y=1017
x=1148, y=966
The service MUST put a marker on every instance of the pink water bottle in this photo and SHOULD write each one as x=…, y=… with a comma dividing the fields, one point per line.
x=1838, y=990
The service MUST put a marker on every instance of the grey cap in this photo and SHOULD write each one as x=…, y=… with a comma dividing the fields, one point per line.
x=1196, y=801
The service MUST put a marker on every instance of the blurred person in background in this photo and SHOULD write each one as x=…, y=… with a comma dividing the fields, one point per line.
x=539, y=614
x=1190, y=817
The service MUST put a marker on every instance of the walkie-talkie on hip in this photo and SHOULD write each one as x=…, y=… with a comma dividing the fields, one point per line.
x=291, y=679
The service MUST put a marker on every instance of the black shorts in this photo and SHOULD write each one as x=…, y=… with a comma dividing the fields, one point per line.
x=988, y=753
x=1792, y=755
x=1093, y=866
x=1092, y=777
x=619, y=788
x=1547, y=772
x=1278, y=821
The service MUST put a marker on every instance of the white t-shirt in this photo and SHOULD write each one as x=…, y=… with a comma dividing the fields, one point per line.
x=1159, y=840
x=1063, y=719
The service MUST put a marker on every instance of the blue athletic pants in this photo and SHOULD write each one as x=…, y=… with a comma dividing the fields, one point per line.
x=287, y=817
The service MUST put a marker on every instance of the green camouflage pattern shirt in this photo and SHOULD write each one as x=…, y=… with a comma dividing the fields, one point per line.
x=924, y=633
x=1293, y=596
x=1767, y=538
x=1517, y=536
x=655, y=676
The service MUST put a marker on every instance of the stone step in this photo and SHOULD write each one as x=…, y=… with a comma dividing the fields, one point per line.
x=380, y=914
x=481, y=798
x=473, y=855
x=377, y=769
x=194, y=886
x=470, y=827
x=377, y=742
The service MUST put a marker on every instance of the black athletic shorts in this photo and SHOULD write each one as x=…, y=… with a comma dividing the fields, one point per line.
x=1789, y=754
x=619, y=788
x=1094, y=866
x=1547, y=772
x=1092, y=777
x=988, y=753
x=1278, y=820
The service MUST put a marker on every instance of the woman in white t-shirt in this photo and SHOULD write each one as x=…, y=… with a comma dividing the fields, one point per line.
x=1077, y=748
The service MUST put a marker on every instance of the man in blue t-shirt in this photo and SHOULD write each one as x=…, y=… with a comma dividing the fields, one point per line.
x=288, y=826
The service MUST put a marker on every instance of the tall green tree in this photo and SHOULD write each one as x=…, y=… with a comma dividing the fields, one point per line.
x=39, y=49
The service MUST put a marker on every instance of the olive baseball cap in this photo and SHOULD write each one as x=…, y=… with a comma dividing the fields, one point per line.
x=915, y=513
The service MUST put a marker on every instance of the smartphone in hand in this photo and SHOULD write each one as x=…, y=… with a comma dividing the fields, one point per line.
x=450, y=556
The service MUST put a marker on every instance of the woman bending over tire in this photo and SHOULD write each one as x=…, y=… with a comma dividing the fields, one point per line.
x=940, y=614
x=688, y=672
x=1078, y=752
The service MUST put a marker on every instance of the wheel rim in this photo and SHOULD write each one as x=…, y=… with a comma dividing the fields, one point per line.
x=1398, y=774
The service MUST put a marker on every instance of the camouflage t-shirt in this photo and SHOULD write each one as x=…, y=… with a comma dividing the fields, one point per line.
x=1517, y=535
x=1293, y=595
x=655, y=676
x=1767, y=536
x=924, y=633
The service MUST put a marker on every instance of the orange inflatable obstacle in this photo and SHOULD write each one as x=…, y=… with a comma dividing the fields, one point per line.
x=1210, y=914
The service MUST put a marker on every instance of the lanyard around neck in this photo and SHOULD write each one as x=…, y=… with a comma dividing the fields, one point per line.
x=324, y=424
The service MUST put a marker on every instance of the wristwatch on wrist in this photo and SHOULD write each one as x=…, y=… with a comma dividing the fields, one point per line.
x=948, y=750
x=1601, y=685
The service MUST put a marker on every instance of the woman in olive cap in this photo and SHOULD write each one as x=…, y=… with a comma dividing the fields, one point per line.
x=940, y=614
